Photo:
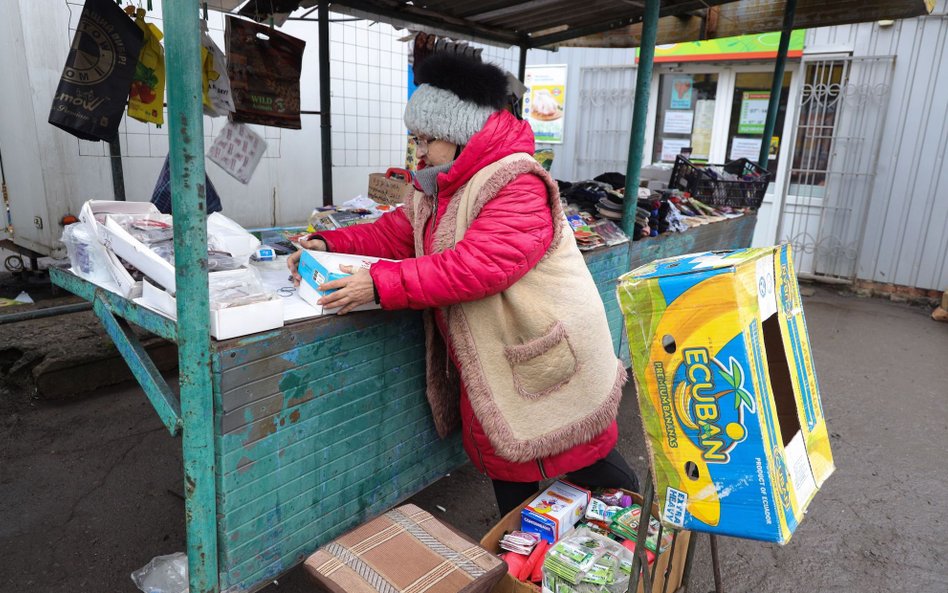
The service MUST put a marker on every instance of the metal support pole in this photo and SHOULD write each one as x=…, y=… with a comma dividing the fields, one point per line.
x=522, y=66
x=325, y=110
x=43, y=313
x=186, y=138
x=640, y=567
x=716, y=564
x=643, y=80
x=118, y=174
x=777, y=86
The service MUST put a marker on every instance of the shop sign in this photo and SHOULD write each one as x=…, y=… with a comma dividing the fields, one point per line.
x=753, y=112
x=544, y=103
x=742, y=47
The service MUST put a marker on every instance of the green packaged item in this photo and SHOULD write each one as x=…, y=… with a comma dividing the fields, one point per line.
x=626, y=524
x=586, y=562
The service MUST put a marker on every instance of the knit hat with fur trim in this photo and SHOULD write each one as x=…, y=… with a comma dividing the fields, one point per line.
x=454, y=98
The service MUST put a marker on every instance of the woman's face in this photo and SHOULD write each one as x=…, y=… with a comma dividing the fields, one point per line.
x=435, y=152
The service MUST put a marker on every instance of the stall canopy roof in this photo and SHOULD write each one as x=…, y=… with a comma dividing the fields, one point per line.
x=591, y=23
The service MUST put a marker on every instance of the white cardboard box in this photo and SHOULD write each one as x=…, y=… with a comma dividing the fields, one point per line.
x=319, y=267
x=555, y=511
x=124, y=245
x=231, y=237
x=226, y=323
x=128, y=286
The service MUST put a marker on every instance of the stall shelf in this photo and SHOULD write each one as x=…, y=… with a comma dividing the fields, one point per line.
x=323, y=424
x=292, y=436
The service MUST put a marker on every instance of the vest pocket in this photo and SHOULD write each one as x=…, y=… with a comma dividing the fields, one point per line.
x=543, y=365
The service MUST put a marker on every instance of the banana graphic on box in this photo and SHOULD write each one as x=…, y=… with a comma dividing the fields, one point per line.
x=682, y=321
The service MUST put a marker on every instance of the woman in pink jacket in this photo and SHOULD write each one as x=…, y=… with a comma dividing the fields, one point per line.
x=519, y=354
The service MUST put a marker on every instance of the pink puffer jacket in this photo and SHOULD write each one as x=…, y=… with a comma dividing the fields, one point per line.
x=508, y=238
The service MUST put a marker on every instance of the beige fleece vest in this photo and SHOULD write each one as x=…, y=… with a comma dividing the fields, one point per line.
x=537, y=358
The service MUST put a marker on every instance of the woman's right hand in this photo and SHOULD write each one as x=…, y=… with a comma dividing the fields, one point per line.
x=293, y=261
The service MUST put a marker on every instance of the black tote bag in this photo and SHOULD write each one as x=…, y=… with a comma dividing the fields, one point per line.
x=93, y=91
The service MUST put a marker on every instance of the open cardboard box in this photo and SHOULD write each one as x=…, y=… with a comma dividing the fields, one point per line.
x=227, y=323
x=128, y=286
x=668, y=566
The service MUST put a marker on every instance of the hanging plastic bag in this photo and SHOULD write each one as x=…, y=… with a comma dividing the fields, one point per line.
x=146, y=98
x=237, y=150
x=218, y=98
x=92, y=92
x=223, y=234
x=264, y=66
x=87, y=256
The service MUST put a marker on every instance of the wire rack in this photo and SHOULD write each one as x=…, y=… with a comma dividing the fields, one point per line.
x=369, y=76
x=141, y=140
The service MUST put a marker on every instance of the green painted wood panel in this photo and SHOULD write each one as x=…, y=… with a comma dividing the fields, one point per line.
x=320, y=426
x=324, y=424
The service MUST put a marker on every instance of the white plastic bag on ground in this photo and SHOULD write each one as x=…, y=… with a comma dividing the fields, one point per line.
x=164, y=574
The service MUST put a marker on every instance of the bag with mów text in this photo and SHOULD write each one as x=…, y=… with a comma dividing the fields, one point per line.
x=90, y=99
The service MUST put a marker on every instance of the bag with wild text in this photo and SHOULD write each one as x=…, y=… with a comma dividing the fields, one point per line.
x=93, y=90
x=264, y=67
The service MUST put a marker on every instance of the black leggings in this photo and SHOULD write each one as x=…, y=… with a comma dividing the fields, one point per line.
x=611, y=471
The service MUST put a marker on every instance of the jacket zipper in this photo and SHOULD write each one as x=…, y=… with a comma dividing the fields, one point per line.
x=542, y=470
x=480, y=456
x=428, y=234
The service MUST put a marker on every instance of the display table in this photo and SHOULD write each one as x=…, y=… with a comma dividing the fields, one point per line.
x=323, y=424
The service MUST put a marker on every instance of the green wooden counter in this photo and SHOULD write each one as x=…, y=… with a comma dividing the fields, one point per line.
x=323, y=424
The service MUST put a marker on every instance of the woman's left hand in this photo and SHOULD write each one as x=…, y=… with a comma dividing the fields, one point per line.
x=351, y=291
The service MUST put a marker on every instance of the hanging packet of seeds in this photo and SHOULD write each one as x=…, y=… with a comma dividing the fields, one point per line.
x=264, y=67
x=237, y=150
x=93, y=90
x=146, y=99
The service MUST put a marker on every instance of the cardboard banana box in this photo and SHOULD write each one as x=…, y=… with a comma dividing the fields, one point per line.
x=727, y=391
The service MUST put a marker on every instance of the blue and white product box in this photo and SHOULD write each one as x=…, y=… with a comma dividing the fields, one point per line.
x=319, y=267
x=555, y=511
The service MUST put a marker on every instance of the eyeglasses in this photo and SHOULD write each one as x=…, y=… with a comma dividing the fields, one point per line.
x=423, y=143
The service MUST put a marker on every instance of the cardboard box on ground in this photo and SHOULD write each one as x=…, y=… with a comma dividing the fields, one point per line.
x=668, y=567
x=727, y=391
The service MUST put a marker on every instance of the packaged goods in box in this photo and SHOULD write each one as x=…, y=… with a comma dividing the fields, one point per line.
x=318, y=267
x=231, y=316
x=727, y=390
x=668, y=567
x=556, y=510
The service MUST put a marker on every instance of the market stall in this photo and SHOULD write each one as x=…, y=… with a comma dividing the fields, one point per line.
x=293, y=435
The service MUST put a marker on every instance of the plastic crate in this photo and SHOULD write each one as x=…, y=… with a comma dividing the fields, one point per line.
x=706, y=186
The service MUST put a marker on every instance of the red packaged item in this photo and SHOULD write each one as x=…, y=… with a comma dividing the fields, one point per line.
x=538, y=553
x=514, y=562
x=629, y=544
x=537, y=575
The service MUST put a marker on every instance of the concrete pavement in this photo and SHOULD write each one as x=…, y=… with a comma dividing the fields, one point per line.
x=90, y=489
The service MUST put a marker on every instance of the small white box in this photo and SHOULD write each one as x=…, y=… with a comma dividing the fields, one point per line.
x=555, y=511
x=319, y=267
x=230, y=322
